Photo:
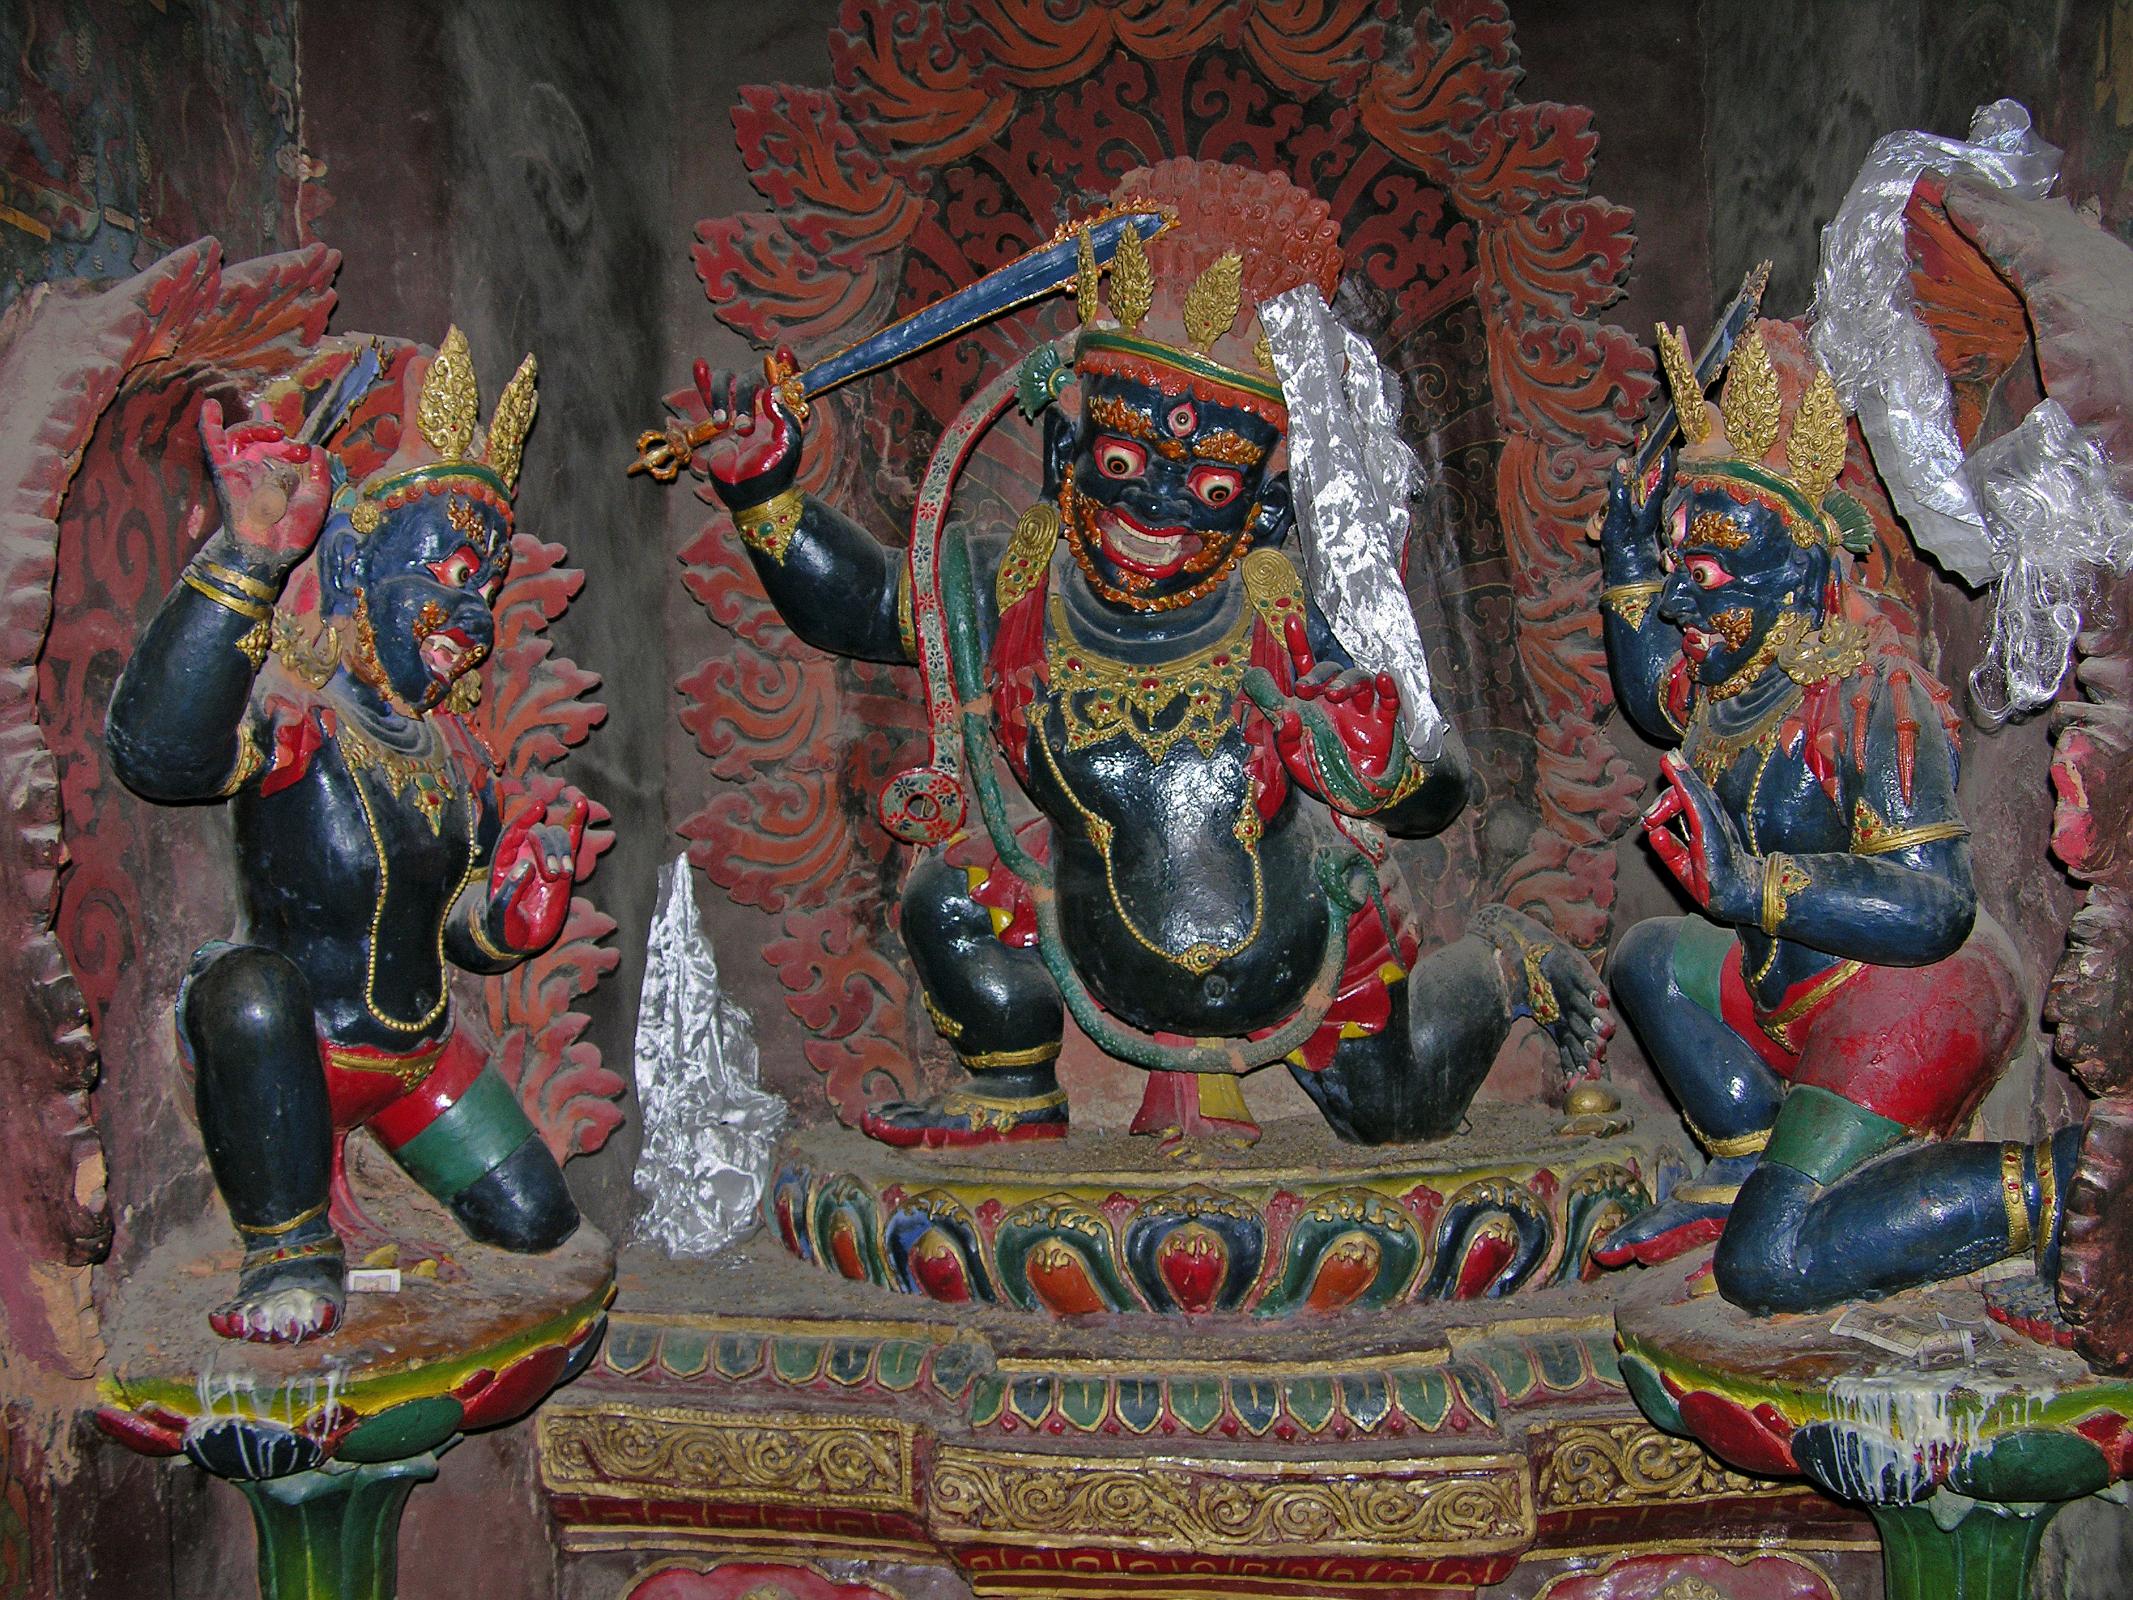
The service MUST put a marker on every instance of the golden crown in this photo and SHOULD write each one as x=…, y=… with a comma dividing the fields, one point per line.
x=1210, y=309
x=1750, y=417
x=448, y=416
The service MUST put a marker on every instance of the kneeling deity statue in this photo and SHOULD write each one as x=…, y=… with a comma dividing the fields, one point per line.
x=371, y=850
x=1839, y=1008
x=1204, y=886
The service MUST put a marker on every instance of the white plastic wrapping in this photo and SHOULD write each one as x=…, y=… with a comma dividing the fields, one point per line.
x=1352, y=475
x=710, y=1134
x=1867, y=333
x=2058, y=528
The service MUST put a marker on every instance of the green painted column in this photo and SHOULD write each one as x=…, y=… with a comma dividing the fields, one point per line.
x=333, y=1533
x=1968, y=1550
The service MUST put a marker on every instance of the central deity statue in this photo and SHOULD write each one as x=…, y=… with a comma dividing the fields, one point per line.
x=1207, y=887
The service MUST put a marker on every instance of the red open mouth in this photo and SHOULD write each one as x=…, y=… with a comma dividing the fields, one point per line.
x=1150, y=552
x=448, y=652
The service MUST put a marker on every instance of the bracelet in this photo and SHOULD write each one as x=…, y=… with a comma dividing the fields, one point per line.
x=1630, y=601
x=295, y=1222
x=252, y=610
x=769, y=527
x=242, y=582
x=1882, y=841
x=480, y=936
x=1738, y=1144
x=250, y=758
x=2014, y=1194
x=1783, y=877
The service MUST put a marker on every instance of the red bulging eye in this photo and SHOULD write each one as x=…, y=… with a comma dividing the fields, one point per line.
x=1707, y=573
x=455, y=569
x=1120, y=458
x=1215, y=486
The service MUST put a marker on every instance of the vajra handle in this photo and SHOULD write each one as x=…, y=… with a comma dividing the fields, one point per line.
x=663, y=452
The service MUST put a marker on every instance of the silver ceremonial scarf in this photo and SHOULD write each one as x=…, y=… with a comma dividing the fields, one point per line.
x=1351, y=474
x=1867, y=333
x=710, y=1133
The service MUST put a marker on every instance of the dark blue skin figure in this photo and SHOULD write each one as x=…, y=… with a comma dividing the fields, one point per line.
x=1161, y=847
x=328, y=950
x=1855, y=1194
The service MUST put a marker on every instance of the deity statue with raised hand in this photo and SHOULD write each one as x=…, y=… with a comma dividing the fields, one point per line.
x=1204, y=885
x=371, y=850
x=1834, y=1013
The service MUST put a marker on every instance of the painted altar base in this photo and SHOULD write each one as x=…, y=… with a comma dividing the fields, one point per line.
x=864, y=1434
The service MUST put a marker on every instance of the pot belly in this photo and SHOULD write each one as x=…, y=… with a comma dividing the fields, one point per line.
x=1178, y=939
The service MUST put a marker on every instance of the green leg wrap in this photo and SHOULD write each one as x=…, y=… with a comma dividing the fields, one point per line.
x=472, y=1137
x=1825, y=1136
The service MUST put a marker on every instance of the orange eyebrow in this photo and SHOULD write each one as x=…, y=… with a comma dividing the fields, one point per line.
x=1231, y=449
x=1111, y=412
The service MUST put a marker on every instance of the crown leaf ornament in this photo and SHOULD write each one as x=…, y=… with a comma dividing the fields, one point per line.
x=1814, y=450
x=1750, y=405
x=449, y=405
x=1132, y=284
x=1087, y=277
x=514, y=416
x=1212, y=303
x=1681, y=379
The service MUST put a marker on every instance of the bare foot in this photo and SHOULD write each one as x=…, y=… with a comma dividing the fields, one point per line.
x=1554, y=984
x=285, y=1295
x=963, y=1117
x=1695, y=1213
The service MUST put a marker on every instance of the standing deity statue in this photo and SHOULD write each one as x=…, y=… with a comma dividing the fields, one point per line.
x=1204, y=887
x=1839, y=1008
x=371, y=852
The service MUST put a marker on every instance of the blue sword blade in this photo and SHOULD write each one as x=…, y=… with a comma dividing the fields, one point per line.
x=1022, y=280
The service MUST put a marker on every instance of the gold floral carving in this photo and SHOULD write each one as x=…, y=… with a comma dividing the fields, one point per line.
x=753, y=1458
x=1413, y=1508
x=1618, y=1463
x=1029, y=554
x=1100, y=699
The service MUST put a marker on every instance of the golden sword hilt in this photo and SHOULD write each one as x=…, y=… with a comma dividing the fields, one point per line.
x=663, y=452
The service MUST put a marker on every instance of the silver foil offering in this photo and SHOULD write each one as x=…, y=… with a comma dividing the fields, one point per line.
x=1352, y=474
x=1867, y=333
x=710, y=1133
x=2059, y=528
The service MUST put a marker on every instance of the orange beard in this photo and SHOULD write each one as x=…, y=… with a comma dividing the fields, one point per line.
x=1082, y=540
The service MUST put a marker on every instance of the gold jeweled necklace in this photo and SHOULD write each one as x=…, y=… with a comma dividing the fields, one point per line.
x=358, y=755
x=1100, y=699
x=1711, y=752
